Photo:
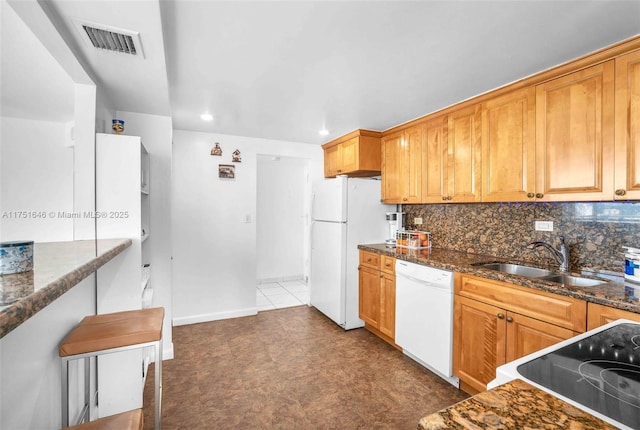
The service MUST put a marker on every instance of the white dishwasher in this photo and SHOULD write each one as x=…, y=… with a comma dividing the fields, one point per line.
x=424, y=317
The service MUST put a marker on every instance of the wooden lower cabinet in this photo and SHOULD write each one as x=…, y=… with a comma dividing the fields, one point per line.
x=377, y=301
x=369, y=310
x=388, y=305
x=526, y=335
x=598, y=315
x=479, y=342
x=487, y=335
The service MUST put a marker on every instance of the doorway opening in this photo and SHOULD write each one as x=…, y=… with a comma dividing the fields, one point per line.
x=282, y=232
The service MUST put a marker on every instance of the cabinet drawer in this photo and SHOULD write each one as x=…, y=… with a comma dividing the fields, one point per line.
x=370, y=259
x=388, y=264
x=598, y=315
x=553, y=308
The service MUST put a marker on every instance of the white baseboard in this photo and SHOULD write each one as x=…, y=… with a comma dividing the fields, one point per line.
x=215, y=316
x=281, y=279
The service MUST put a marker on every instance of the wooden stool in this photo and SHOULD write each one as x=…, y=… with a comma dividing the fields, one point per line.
x=108, y=333
x=131, y=420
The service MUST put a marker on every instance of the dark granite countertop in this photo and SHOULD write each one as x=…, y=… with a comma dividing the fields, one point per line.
x=515, y=405
x=57, y=267
x=620, y=295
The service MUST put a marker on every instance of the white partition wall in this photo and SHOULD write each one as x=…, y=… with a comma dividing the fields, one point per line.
x=119, y=214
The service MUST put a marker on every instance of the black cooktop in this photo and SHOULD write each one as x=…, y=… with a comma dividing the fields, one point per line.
x=601, y=372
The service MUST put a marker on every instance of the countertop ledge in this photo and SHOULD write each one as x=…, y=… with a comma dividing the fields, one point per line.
x=57, y=267
x=613, y=294
x=515, y=405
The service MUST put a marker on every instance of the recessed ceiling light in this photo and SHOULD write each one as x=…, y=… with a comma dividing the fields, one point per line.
x=324, y=132
x=206, y=117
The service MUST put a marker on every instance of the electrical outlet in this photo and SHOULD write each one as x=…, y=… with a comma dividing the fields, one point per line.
x=544, y=225
x=417, y=221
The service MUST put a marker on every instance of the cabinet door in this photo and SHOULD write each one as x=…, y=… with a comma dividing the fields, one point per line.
x=401, y=166
x=388, y=305
x=434, y=160
x=463, y=174
x=508, y=147
x=350, y=155
x=479, y=341
x=574, y=136
x=526, y=335
x=413, y=164
x=332, y=161
x=627, y=169
x=392, y=173
x=598, y=315
x=369, y=298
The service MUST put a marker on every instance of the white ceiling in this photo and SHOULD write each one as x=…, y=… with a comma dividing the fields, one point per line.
x=283, y=70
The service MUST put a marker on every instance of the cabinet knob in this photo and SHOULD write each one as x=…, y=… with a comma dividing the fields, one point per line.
x=620, y=192
x=404, y=199
x=449, y=198
x=368, y=260
x=339, y=171
x=509, y=319
x=444, y=197
x=500, y=316
x=539, y=195
x=381, y=276
x=531, y=195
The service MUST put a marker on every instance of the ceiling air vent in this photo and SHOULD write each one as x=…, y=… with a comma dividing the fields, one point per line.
x=111, y=38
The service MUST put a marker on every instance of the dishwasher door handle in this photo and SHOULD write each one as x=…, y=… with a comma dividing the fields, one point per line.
x=416, y=280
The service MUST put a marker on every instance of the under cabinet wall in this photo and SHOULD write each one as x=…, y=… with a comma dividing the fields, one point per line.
x=594, y=232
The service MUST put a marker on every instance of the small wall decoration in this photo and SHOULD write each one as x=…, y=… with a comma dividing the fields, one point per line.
x=117, y=125
x=226, y=171
x=235, y=157
x=216, y=150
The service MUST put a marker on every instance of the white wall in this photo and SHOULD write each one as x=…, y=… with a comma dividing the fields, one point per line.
x=30, y=366
x=36, y=175
x=156, y=134
x=281, y=217
x=214, y=248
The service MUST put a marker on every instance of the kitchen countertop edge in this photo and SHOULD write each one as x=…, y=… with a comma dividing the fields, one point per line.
x=515, y=404
x=612, y=294
x=18, y=312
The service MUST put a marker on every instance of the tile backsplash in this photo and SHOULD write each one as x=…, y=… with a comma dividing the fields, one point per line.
x=594, y=232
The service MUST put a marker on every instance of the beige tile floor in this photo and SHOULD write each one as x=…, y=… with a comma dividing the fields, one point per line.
x=282, y=294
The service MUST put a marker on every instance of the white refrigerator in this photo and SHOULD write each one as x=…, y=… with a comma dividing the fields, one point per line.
x=345, y=212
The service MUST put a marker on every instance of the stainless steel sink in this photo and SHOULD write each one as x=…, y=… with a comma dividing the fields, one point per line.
x=543, y=274
x=574, y=281
x=517, y=269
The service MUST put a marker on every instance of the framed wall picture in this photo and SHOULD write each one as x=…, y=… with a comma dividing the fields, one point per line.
x=226, y=171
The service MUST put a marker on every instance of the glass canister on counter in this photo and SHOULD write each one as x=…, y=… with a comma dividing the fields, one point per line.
x=631, y=264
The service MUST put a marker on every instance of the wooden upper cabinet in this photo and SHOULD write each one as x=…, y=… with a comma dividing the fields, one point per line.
x=434, y=160
x=627, y=155
x=575, y=135
x=508, y=147
x=331, y=161
x=402, y=166
x=355, y=154
x=463, y=173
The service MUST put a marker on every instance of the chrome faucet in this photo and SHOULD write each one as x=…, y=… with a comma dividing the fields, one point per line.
x=561, y=255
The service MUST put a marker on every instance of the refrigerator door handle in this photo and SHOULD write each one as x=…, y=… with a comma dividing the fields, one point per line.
x=313, y=224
